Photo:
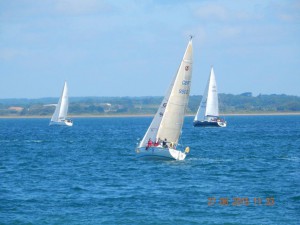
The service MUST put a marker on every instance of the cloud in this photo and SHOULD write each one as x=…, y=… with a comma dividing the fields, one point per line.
x=232, y=12
x=229, y=32
x=285, y=17
x=8, y=54
x=289, y=12
x=82, y=7
x=212, y=12
x=282, y=11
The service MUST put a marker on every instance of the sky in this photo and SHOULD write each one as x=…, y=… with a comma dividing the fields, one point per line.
x=134, y=47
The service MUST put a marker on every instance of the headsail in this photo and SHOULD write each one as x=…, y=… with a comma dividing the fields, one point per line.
x=61, y=109
x=153, y=128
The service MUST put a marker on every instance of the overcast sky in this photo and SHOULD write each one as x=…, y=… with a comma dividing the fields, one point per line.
x=134, y=47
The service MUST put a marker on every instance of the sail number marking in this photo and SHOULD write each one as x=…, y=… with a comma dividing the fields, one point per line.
x=183, y=91
x=186, y=82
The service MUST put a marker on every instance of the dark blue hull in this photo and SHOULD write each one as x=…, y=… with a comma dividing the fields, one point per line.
x=207, y=124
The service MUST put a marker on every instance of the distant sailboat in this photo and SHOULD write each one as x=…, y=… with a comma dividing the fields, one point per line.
x=208, y=112
x=162, y=137
x=60, y=115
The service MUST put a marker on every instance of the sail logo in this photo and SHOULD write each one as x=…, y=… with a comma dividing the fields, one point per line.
x=187, y=68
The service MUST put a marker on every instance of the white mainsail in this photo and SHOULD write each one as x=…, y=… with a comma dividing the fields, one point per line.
x=61, y=109
x=167, y=122
x=209, y=105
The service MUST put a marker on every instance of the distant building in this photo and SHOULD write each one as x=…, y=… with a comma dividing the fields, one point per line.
x=16, y=108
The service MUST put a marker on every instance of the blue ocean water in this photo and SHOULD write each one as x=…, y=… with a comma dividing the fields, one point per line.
x=247, y=173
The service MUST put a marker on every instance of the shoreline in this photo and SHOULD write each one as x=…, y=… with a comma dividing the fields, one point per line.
x=263, y=114
x=150, y=115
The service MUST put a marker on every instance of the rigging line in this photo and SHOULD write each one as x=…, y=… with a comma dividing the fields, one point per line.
x=179, y=140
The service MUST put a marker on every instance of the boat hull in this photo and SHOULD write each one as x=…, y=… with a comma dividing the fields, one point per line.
x=160, y=153
x=68, y=123
x=209, y=124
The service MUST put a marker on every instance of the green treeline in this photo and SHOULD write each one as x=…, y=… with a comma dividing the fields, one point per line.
x=228, y=103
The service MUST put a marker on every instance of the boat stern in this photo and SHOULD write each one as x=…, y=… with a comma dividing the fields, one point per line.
x=68, y=123
x=222, y=124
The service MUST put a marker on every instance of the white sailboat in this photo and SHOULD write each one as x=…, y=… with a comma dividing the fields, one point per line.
x=162, y=136
x=208, y=111
x=59, y=116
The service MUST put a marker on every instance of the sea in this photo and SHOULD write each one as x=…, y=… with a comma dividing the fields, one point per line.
x=246, y=173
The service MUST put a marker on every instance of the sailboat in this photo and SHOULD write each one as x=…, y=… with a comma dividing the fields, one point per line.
x=59, y=116
x=162, y=137
x=208, y=111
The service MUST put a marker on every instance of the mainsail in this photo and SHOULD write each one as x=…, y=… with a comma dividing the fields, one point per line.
x=209, y=105
x=167, y=122
x=61, y=109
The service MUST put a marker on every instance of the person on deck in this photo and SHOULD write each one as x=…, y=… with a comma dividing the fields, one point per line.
x=157, y=143
x=165, y=143
x=149, y=143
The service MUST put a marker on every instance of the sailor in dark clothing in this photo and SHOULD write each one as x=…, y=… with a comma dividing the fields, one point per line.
x=165, y=143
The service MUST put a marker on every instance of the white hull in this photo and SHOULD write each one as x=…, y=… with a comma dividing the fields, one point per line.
x=68, y=123
x=160, y=153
